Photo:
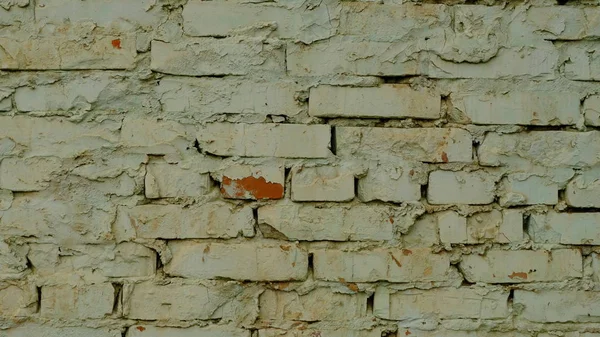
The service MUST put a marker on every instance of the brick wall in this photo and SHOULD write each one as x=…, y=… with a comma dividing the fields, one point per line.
x=299, y=168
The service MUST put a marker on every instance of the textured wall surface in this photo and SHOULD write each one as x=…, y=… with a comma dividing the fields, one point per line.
x=299, y=168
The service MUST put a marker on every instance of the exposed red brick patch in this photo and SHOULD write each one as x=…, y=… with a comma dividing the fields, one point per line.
x=444, y=157
x=350, y=285
x=396, y=261
x=519, y=275
x=251, y=187
x=407, y=332
x=406, y=252
x=140, y=328
x=116, y=43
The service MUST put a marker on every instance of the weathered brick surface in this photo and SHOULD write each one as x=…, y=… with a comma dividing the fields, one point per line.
x=294, y=168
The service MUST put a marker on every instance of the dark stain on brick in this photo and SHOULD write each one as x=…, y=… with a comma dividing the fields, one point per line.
x=258, y=188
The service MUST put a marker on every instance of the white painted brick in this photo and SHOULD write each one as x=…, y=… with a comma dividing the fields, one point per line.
x=210, y=56
x=423, y=233
x=424, y=144
x=13, y=261
x=92, y=262
x=544, y=148
x=321, y=304
x=572, y=334
x=565, y=228
x=64, y=218
x=444, y=303
x=525, y=108
x=76, y=94
x=392, y=22
x=33, y=329
x=165, y=180
x=532, y=190
x=194, y=331
x=26, y=175
x=388, y=181
x=253, y=182
x=584, y=59
x=215, y=96
x=353, y=223
x=155, y=137
x=13, y=14
x=497, y=226
x=584, y=190
x=471, y=333
x=558, y=305
x=67, y=51
x=569, y=23
x=77, y=302
x=346, y=55
x=591, y=109
x=17, y=301
x=524, y=266
x=396, y=265
x=201, y=18
x=386, y=101
x=212, y=220
x=249, y=261
x=265, y=140
x=327, y=332
x=536, y=62
x=142, y=13
x=324, y=183
x=448, y=187
x=148, y=301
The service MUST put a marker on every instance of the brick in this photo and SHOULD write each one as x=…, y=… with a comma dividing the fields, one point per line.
x=13, y=261
x=535, y=62
x=584, y=59
x=194, y=331
x=386, y=101
x=253, y=182
x=201, y=18
x=531, y=190
x=496, y=226
x=441, y=303
x=570, y=23
x=33, y=329
x=210, y=56
x=165, y=180
x=391, y=182
x=525, y=108
x=207, y=96
x=155, y=137
x=15, y=15
x=62, y=218
x=324, y=183
x=525, y=266
x=392, y=22
x=432, y=145
x=348, y=55
x=76, y=94
x=543, y=148
x=311, y=223
x=565, y=228
x=68, y=51
x=27, y=175
x=265, y=140
x=584, y=190
x=111, y=12
x=77, y=302
x=449, y=187
x=573, y=334
x=591, y=110
x=558, y=305
x=212, y=220
x=423, y=233
x=320, y=304
x=17, y=301
x=327, y=332
x=148, y=301
x=92, y=262
x=396, y=265
x=250, y=261
x=454, y=333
